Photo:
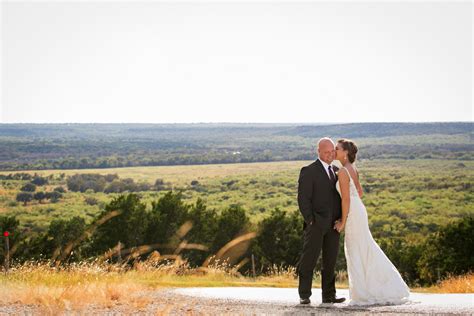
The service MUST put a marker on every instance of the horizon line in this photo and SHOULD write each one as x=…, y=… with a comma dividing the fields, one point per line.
x=239, y=123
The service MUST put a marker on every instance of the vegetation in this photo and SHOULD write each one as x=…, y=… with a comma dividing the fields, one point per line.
x=412, y=230
x=417, y=178
x=83, y=146
x=448, y=251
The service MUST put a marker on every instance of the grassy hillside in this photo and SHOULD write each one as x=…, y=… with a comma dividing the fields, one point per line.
x=402, y=196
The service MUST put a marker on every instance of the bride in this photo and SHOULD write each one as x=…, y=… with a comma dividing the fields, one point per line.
x=373, y=279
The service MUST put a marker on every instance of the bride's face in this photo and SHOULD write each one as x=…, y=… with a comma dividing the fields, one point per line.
x=340, y=153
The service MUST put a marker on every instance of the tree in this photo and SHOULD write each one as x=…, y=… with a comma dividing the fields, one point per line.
x=29, y=187
x=83, y=182
x=24, y=197
x=279, y=239
x=53, y=196
x=203, y=231
x=62, y=233
x=129, y=227
x=232, y=223
x=39, y=181
x=448, y=251
x=116, y=186
x=166, y=217
x=40, y=196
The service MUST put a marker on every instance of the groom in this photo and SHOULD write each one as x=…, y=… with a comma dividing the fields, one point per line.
x=320, y=204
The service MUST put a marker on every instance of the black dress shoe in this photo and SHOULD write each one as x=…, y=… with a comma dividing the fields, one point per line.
x=304, y=301
x=334, y=300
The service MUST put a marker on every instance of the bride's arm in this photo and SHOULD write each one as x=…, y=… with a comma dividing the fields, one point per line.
x=345, y=199
x=357, y=184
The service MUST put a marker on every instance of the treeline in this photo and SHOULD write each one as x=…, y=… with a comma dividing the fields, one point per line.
x=169, y=224
x=84, y=183
x=373, y=130
x=93, y=160
x=196, y=131
x=80, y=146
x=69, y=156
x=110, y=183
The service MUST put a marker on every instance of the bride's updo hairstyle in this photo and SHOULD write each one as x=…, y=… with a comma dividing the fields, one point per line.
x=351, y=148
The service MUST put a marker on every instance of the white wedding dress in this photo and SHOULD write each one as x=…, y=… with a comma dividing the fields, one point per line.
x=373, y=279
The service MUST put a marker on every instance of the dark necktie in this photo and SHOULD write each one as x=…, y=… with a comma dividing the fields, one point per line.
x=331, y=174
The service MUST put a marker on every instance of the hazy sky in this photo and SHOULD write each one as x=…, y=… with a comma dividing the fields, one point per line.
x=222, y=61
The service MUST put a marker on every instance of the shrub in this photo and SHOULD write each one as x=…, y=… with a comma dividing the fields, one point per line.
x=29, y=187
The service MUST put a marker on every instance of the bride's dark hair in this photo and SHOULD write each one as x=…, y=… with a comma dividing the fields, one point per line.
x=351, y=148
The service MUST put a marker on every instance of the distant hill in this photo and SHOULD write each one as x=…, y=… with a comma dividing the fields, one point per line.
x=359, y=130
x=72, y=146
x=250, y=130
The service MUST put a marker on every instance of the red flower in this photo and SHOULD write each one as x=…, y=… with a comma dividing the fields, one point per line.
x=6, y=234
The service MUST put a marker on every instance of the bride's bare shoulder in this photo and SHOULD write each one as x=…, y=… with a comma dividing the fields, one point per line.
x=343, y=179
x=343, y=172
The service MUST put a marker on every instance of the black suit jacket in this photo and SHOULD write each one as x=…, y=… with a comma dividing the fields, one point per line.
x=318, y=199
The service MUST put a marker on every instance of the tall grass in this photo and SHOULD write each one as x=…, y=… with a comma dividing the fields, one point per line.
x=55, y=285
x=78, y=286
x=456, y=284
x=81, y=285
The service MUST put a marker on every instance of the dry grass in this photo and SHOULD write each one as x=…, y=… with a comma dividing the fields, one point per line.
x=68, y=287
x=98, y=288
x=456, y=284
x=55, y=286
x=181, y=174
x=104, y=285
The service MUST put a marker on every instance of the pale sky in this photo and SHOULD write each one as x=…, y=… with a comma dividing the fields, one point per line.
x=243, y=61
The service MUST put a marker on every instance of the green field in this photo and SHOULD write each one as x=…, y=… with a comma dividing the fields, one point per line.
x=402, y=196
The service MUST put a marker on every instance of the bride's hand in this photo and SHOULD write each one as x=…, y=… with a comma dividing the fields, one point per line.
x=339, y=226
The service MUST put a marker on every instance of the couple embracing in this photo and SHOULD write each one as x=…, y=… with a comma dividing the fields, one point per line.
x=330, y=201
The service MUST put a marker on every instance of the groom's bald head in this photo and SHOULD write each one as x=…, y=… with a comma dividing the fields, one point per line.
x=326, y=150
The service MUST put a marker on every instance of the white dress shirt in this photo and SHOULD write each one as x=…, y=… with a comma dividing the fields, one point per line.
x=325, y=165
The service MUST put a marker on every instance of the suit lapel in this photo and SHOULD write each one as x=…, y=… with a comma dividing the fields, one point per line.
x=321, y=167
x=323, y=170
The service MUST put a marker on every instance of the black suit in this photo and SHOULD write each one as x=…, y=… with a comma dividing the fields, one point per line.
x=320, y=203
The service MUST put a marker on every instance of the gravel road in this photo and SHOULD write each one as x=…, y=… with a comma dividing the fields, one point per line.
x=285, y=300
x=256, y=301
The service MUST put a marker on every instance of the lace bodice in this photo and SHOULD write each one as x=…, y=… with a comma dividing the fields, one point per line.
x=352, y=187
